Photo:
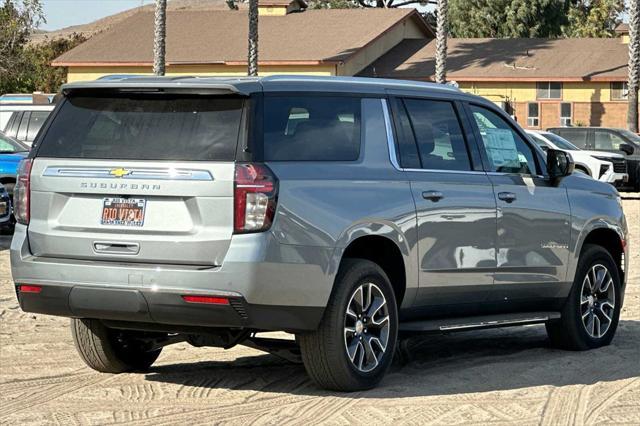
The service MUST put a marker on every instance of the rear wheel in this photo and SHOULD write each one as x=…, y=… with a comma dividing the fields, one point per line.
x=591, y=312
x=108, y=350
x=354, y=345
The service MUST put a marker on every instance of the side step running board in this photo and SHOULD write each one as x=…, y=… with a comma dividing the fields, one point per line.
x=444, y=325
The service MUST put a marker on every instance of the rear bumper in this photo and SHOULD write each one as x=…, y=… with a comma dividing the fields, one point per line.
x=269, y=286
x=164, y=308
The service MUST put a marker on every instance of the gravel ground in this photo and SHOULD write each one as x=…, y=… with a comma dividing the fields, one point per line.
x=506, y=376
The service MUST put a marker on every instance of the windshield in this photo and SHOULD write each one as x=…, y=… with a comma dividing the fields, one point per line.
x=9, y=145
x=631, y=136
x=137, y=126
x=560, y=142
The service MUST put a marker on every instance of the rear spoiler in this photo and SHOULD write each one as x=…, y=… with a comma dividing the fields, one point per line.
x=187, y=85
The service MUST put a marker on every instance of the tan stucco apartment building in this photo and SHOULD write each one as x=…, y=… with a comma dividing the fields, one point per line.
x=542, y=82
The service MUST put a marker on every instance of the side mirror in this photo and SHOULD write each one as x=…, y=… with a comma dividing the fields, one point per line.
x=626, y=148
x=559, y=163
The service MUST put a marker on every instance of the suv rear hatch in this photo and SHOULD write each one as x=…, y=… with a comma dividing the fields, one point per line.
x=137, y=177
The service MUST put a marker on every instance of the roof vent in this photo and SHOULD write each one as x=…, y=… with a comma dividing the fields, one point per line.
x=280, y=7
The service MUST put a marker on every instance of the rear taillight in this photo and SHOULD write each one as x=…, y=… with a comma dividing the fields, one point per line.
x=22, y=192
x=255, y=197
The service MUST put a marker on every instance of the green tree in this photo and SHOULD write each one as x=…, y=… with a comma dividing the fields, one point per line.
x=18, y=20
x=507, y=18
x=595, y=18
x=38, y=74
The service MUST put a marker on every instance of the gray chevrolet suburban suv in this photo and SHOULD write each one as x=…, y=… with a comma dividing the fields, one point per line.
x=342, y=210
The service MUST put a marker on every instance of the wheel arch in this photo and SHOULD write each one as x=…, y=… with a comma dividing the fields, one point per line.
x=611, y=240
x=386, y=245
x=584, y=167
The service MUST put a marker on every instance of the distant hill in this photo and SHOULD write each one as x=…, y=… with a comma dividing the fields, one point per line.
x=104, y=23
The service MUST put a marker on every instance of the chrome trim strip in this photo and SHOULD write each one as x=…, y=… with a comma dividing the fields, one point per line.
x=523, y=321
x=390, y=140
x=133, y=173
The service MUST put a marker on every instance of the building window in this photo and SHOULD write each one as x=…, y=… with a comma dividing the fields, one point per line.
x=619, y=91
x=565, y=114
x=533, y=115
x=549, y=90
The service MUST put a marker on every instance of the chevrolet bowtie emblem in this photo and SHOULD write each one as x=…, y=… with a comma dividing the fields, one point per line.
x=119, y=172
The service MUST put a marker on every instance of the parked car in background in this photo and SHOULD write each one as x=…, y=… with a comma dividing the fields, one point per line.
x=11, y=152
x=23, y=121
x=6, y=219
x=619, y=141
x=155, y=210
x=604, y=166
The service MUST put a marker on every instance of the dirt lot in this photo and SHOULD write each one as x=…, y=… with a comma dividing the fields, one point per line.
x=507, y=376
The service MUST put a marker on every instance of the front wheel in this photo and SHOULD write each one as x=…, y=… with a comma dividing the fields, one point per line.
x=591, y=312
x=354, y=345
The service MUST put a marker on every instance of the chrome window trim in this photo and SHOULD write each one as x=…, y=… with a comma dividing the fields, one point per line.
x=393, y=155
x=132, y=173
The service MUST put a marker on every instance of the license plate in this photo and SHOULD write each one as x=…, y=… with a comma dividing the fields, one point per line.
x=123, y=211
x=3, y=208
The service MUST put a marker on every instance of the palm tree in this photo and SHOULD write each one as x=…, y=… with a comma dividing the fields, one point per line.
x=160, y=37
x=634, y=64
x=253, y=38
x=441, y=42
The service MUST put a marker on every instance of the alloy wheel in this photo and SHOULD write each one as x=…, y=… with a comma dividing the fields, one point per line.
x=366, y=327
x=597, y=301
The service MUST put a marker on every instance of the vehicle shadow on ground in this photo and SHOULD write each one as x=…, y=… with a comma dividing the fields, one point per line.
x=483, y=361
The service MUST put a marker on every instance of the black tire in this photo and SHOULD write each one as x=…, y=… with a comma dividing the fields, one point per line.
x=109, y=351
x=570, y=332
x=324, y=351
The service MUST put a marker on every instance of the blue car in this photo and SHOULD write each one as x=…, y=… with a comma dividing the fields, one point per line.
x=11, y=152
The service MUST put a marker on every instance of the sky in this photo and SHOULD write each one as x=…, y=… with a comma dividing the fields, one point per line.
x=63, y=13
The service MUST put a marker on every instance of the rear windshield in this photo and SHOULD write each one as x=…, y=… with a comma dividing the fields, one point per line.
x=146, y=127
x=311, y=128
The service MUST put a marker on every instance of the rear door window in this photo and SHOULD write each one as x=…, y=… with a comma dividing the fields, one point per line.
x=438, y=134
x=145, y=127
x=24, y=125
x=312, y=128
x=35, y=123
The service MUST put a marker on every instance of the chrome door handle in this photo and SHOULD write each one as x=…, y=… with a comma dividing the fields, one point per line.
x=508, y=197
x=434, y=196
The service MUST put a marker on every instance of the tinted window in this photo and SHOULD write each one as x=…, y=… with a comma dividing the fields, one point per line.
x=148, y=127
x=506, y=150
x=35, y=123
x=607, y=141
x=560, y=142
x=437, y=131
x=576, y=137
x=22, y=129
x=311, y=128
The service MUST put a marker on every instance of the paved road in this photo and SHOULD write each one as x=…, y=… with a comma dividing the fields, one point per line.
x=507, y=376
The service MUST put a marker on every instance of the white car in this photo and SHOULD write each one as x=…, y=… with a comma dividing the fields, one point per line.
x=600, y=165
